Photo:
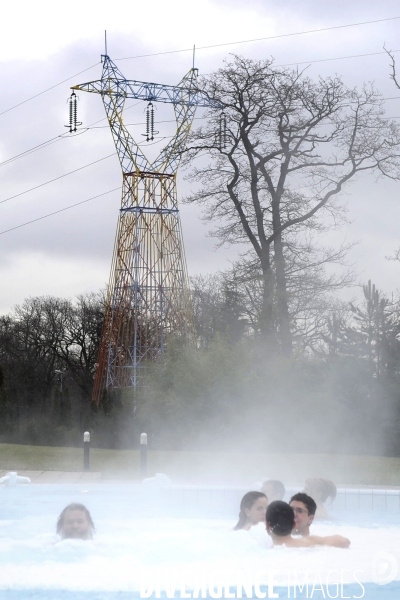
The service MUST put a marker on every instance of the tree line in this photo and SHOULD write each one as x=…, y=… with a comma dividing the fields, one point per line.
x=339, y=392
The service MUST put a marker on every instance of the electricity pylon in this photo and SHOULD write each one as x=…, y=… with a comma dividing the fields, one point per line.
x=148, y=294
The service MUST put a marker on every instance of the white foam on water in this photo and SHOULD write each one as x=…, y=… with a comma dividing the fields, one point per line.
x=126, y=547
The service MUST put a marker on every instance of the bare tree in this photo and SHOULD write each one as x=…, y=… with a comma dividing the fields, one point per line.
x=219, y=307
x=393, y=74
x=311, y=291
x=79, y=345
x=45, y=335
x=281, y=149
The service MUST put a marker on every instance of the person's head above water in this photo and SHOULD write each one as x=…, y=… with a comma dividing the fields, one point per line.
x=252, y=510
x=279, y=518
x=280, y=521
x=304, y=508
x=320, y=489
x=273, y=489
x=75, y=522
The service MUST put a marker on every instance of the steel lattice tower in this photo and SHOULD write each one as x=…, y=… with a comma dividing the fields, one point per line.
x=148, y=295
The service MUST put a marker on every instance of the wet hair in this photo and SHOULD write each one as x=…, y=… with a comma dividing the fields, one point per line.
x=247, y=502
x=306, y=500
x=74, y=506
x=326, y=488
x=280, y=518
x=278, y=487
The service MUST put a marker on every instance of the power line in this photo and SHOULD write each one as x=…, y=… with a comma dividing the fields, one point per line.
x=57, y=139
x=56, y=178
x=47, y=90
x=308, y=62
x=271, y=37
x=90, y=126
x=89, y=165
x=33, y=149
x=58, y=211
x=144, y=123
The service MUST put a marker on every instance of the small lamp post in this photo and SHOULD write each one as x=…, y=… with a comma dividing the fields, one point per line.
x=86, y=451
x=143, y=454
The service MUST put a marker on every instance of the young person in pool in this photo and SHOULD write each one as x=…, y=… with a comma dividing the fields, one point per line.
x=320, y=490
x=273, y=489
x=280, y=523
x=252, y=510
x=75, y=522
x=304, y=508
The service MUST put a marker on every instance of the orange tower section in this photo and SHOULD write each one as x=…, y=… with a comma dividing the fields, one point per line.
x=148, y=294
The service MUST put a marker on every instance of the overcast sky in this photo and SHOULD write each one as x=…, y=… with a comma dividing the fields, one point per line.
x=43, y=43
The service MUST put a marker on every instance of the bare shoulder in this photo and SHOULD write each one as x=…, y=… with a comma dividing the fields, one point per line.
x=338, y=541
x=298, y=542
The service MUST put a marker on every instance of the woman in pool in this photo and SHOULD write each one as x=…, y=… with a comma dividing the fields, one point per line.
x=253, y=508
x=320, y=490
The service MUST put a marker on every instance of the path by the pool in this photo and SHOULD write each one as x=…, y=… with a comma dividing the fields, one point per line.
x=59, y=476
x=98, y=477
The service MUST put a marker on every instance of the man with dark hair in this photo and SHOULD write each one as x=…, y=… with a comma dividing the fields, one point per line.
x=304, y=508
x=280, y=522
x=75, y=522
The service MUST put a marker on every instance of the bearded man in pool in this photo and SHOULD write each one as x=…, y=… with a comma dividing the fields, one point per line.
x=304, y=508
x=280, y=523
x=75, y=522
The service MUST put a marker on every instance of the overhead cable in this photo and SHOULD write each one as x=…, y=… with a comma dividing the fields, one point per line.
x=91, y=126
x=47, y=90
x=55, y=139
x=56, y=178
x=271, y=37
x=309, y=62
x=33, y=149
x=58, y=211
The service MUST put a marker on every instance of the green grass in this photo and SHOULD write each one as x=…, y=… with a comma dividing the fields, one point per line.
x=211, y=467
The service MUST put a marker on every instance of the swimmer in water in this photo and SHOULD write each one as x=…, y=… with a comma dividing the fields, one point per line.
x=320, y=490
x=252, y=510
x=304, y=508
x=280, y=522
x=75, y=523
x=273, y=489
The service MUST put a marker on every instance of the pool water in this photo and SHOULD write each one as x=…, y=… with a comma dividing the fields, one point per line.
x=142, y=541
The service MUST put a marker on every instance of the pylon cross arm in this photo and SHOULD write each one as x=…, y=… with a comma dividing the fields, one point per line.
x=113, y=83
x=141, y=90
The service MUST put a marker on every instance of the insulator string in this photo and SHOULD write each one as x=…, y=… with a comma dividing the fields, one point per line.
x=148, y=122
x=70, y=115
x=73, y=113
x=152, y=122
x=149, y=135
